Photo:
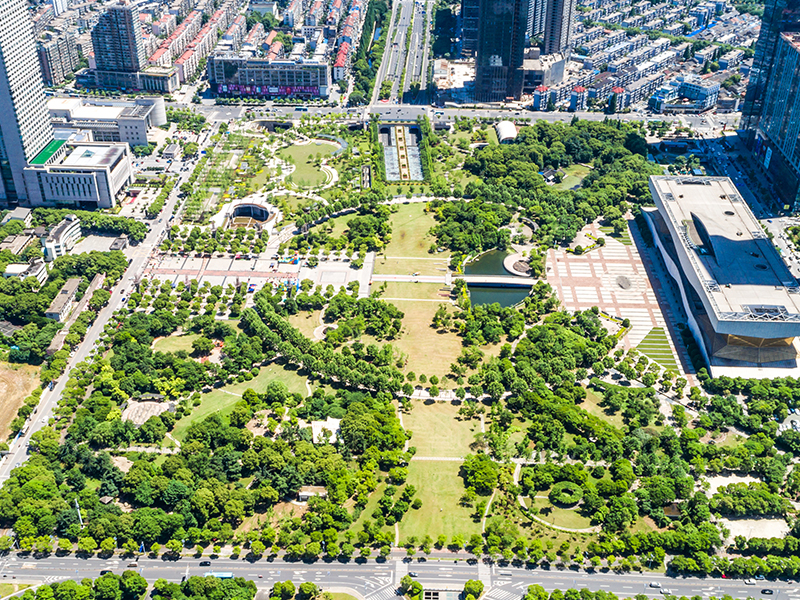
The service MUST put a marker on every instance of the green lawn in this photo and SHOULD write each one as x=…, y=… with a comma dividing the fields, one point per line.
x=401, y=266
x=560, y=517
x=9, y=588
x=592, y=405
x=428, y=351
x=307, y=175
x=174, y=343
x=573, y=175
x=623, y=238
x=410, y=227
x=413, y=291
x=337, y=225
x=222, y=400
x=439, y=487
x=655, y=346
x=436, y=432
x=306, y=322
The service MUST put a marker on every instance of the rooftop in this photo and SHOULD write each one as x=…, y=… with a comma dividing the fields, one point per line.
x=93, y=156
x=743, y=275
x=65, y=296
x=48, y=152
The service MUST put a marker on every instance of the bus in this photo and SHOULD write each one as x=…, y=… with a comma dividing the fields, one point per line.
x=219, y=575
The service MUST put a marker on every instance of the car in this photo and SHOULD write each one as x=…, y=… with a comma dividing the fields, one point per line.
x=205, y=563
x=105, y=572
x=767, y=592
x=749, y=581
x=759, y=578
x=655, y=584
x=133, y=565
x=666, y=592
x=413, y=574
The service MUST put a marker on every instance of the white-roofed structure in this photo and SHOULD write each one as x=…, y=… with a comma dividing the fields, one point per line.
x=506, y=132
x=741, y=301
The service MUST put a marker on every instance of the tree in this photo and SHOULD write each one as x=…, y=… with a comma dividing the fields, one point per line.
x=473, y=588
x=107, y=545
x=365, y=552
x=174, y=547
x=155, y=548
x=202, y=346
x=87, y=545
x=258, y=548
x=99, y=299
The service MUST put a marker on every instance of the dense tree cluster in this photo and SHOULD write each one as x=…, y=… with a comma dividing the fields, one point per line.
x=93, y=221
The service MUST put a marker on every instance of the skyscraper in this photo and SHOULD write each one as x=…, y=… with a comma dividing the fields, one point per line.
x=118, y=41
x=537, y=10
x=779, y=16
x=558, y=22
x=778, y=133
x=501, y=48
x=60, y=6
x=25, y=124
x=470, y=17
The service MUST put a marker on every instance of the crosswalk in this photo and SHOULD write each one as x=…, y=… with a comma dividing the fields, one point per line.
x=384, y=593
x=502, y=594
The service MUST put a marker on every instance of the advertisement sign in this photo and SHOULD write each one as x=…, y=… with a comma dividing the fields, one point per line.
x=767, y=157
x=258, y=90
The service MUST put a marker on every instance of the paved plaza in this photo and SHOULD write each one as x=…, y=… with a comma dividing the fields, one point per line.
x=614, y=279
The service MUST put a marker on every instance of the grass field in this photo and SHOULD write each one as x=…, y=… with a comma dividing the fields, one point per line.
x=338, y=225
x=414, y=291
x=9, y=588
x=402, y=266
x=560, y=517
x=428, y=352
x=436, y=432
x=17, y=381
x=174, y=343
x=573, y=175
x=306, y=174
x=592, y=406
x=655, y=346
x=306, y=322
x=410, y=227
x=623, y=238
x=439, y=487
x=222, y=400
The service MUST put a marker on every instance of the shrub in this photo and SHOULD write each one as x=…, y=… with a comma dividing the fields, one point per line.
x=566, y=492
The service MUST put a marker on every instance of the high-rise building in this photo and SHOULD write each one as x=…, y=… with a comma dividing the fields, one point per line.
x=118, y=40
x=501, y=49
x=779, y=16
x=60, y=6
x=537, y=11
x=470, y=17
x=558, y=22
x=58, y=57
x=25, y=126
x=778, y=133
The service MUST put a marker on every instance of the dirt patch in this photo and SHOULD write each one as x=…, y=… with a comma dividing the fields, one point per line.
x=16, y=383
x=288, y=510
x=762, y=528
x=717, y=481
x=122, y=463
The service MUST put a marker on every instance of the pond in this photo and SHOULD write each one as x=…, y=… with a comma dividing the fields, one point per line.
x=491, y=263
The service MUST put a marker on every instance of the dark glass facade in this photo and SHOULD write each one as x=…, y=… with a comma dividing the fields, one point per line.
x=779, y=16
x=501, y=47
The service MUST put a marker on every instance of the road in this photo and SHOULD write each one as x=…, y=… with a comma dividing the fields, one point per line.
x=379, y=580
x=416, y=61
x=139, y=255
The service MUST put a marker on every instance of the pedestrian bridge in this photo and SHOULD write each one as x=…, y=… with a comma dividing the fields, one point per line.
x=498, y=280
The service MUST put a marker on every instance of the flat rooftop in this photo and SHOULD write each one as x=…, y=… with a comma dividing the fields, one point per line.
x=93, y=156
x=96, y=113
x=729, y=251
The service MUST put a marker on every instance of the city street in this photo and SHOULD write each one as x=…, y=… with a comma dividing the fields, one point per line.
x=379, y=580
